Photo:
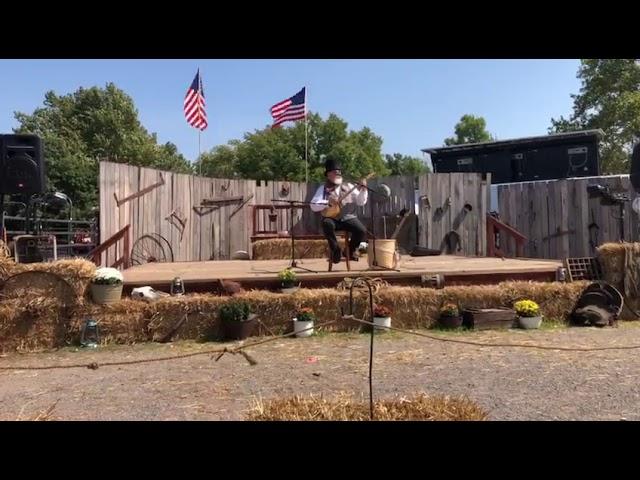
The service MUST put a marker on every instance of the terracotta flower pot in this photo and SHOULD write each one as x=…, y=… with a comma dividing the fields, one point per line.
x=447, y=321
x=289, y=287
x=234, y=330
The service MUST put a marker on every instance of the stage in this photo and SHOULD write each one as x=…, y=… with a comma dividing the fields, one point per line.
x=457, y=270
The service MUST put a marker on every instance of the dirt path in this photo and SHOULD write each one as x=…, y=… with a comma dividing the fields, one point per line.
x=513, y=384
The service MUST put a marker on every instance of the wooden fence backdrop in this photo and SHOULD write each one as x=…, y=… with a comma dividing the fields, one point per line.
x=217, y=232
x=556, y=216
x=454, y=202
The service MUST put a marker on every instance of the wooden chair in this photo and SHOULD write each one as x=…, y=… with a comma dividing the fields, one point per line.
x=345, y=241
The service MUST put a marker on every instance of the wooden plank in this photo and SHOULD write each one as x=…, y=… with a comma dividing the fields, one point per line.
x=207, y=271
x=455, y=214
x=554, y=232
x=523, y=223
x=134, y=205
x=516, y=211
x=582, y=219
x=631, y=218
x=542, y=202
x=484, y=193
x=503, y=192
x=564, y=241
x=103, y=192
x=436, y=202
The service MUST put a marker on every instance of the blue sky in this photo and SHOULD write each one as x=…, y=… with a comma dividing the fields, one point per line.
x=412, y=104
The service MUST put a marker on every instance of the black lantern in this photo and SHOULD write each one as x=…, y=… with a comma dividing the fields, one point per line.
x=90, y=334
x=177, y=286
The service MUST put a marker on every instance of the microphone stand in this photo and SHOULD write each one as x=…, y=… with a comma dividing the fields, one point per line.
x=374, y=262
x=293, y=204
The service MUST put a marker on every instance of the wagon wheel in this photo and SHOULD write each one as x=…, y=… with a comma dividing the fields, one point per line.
x=151, y=248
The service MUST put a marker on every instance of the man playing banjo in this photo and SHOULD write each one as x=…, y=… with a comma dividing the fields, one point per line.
x=336, y=202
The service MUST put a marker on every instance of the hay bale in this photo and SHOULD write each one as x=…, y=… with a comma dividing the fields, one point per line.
x=132, y=321
x=620, y=263
x=344, y=408
x=77, y=272
x=33, y=324
x=280, y=249
x=125, y=322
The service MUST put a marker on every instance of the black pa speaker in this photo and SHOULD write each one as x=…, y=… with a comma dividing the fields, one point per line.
x=21, y=165
x=635, y=168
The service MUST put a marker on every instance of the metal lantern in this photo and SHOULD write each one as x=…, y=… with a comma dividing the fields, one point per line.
x=177, y=286
x=90, y=334
x=561, y=274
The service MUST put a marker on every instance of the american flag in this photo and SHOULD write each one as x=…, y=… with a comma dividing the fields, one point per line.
x=294, y=108
x=194, y=104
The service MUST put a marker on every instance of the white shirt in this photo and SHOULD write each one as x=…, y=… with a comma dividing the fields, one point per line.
x=320, y=200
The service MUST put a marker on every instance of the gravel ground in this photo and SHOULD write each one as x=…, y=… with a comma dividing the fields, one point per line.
x=511, y=383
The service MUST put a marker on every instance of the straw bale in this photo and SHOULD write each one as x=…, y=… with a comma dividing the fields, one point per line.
x=131, y=321
x=77, y=272
x=620, y=264
x=280, y=248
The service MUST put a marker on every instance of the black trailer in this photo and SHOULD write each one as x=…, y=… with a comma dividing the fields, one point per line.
x=556, y=156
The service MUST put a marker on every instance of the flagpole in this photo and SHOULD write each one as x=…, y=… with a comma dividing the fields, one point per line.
x=199, y=129
x=306, y=137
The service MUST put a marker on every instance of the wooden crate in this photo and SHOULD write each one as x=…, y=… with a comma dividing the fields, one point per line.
x=488, y=318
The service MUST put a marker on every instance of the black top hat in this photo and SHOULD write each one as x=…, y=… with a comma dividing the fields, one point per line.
x=331, y=163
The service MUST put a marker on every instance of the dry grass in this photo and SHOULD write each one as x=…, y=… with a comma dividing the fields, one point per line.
x=345, y=408
x=42, y=416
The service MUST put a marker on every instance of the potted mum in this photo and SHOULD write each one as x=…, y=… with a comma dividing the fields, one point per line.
x=450, y=316
x=287, y=279
x=106, y=286
x=381, y=317
x=303, y=322
x=237, y=320
x=529, y=316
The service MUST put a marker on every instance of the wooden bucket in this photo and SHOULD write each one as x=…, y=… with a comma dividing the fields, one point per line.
x=386, y=255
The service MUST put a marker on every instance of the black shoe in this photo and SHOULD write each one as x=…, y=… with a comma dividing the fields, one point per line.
x=336, y=255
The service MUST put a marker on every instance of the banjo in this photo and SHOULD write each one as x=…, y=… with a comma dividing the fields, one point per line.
x=333, y=211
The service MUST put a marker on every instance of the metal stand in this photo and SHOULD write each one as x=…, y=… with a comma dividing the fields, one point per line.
x=292, y=205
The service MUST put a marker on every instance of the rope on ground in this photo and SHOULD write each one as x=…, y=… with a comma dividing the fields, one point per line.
x=220, y=351
x=509, y=345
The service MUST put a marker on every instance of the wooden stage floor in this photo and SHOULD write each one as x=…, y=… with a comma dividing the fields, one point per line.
x=202, y=276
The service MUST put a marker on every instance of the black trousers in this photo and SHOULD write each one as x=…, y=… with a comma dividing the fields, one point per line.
x=353, y=226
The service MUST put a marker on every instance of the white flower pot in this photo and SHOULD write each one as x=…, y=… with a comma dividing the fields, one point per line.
x=106, y=294
x=530, y=323
x=382, y=323
x=299, y=326
x=289, y=289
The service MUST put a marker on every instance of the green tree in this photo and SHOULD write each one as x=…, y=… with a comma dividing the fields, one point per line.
x=399, y=164
x=80, y=128
x=220, y=162
x=470, y=129
x=272, y=154
x=609, y=99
